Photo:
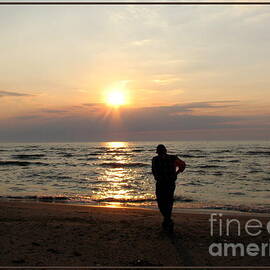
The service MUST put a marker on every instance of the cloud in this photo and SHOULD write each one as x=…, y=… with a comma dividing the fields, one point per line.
x=187, y=107
x=53, y=111
x=147, y=123
x=28, y=117
x=141, y=42
x=166, y=78
x=176, y=117
x=92, y=104
x=13, y=94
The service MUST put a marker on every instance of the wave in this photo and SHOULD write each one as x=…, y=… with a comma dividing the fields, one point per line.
x=31, y=146
x=52, y=198
x=101, y=148
x=260, y=153
x=124, y=165
x=21, y=163
x=199, y=156
x=38, y=198
x=115, y=151
x=96, y=153
x=30, y=156
x=182, y=199
x=62, y=148
x=210, y=166
x=139, y=200
x=234, y=161
x=89, y=158
x=203, y=172
x=68, y=155
x=231, y=161
x=255, y=171
x=65, y=154
x=217, y=173
x=187, y=156
x=192, y=184
x=119, y=153
x=221, y=151
x=151, y=200
x=196, y=150
x=130, y=200
x=237, y=193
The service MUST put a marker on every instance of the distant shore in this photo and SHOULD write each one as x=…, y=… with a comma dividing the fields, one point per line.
x=58, y=234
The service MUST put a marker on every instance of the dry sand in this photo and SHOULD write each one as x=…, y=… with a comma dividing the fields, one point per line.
x=52, y=234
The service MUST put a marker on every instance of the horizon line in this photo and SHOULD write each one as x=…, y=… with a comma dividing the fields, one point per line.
x=137, y=141
x=135, y=3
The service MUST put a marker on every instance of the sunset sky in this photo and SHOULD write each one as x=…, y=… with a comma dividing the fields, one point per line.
x=186, y=73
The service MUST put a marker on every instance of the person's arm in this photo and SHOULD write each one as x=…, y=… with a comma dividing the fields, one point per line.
x=180, y=164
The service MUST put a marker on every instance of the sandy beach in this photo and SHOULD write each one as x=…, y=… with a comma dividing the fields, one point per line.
x=52, y=234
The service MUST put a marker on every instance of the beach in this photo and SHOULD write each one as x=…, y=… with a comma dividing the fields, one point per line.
x=59, y=234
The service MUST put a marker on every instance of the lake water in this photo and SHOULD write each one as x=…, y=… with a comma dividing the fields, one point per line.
x=219, y=175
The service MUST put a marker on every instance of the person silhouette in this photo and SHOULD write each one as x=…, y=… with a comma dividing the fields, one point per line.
x=165, y=169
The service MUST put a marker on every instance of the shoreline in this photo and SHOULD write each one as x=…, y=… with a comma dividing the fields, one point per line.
x=60, y=234
x=177, y=210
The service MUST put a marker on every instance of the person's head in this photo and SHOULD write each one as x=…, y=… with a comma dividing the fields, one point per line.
x=161, y=149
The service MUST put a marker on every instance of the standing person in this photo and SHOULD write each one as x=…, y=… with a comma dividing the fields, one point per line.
x=165, y=169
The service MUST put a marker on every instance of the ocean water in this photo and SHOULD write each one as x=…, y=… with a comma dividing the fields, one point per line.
x=219, y=175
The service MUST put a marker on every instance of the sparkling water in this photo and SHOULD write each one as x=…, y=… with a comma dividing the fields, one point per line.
x=226, y=175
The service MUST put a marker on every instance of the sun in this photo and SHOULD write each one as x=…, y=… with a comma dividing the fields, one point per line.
x=116, y=98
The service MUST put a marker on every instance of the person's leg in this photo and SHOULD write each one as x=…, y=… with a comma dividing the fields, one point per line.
x=168, y=222
x=161, y=199
x=170, y=199
x=165, y=193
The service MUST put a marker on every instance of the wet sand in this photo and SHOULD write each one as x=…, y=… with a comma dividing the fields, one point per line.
x=52, y=234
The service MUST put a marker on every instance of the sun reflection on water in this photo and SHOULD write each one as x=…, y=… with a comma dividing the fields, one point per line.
x=117, y=178
x=114, y=205
x=116, y=144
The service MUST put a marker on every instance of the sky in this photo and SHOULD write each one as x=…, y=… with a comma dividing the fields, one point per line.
x=187, y=73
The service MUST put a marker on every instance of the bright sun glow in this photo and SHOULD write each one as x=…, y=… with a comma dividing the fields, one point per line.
x=116, y=98
x=116, y=144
